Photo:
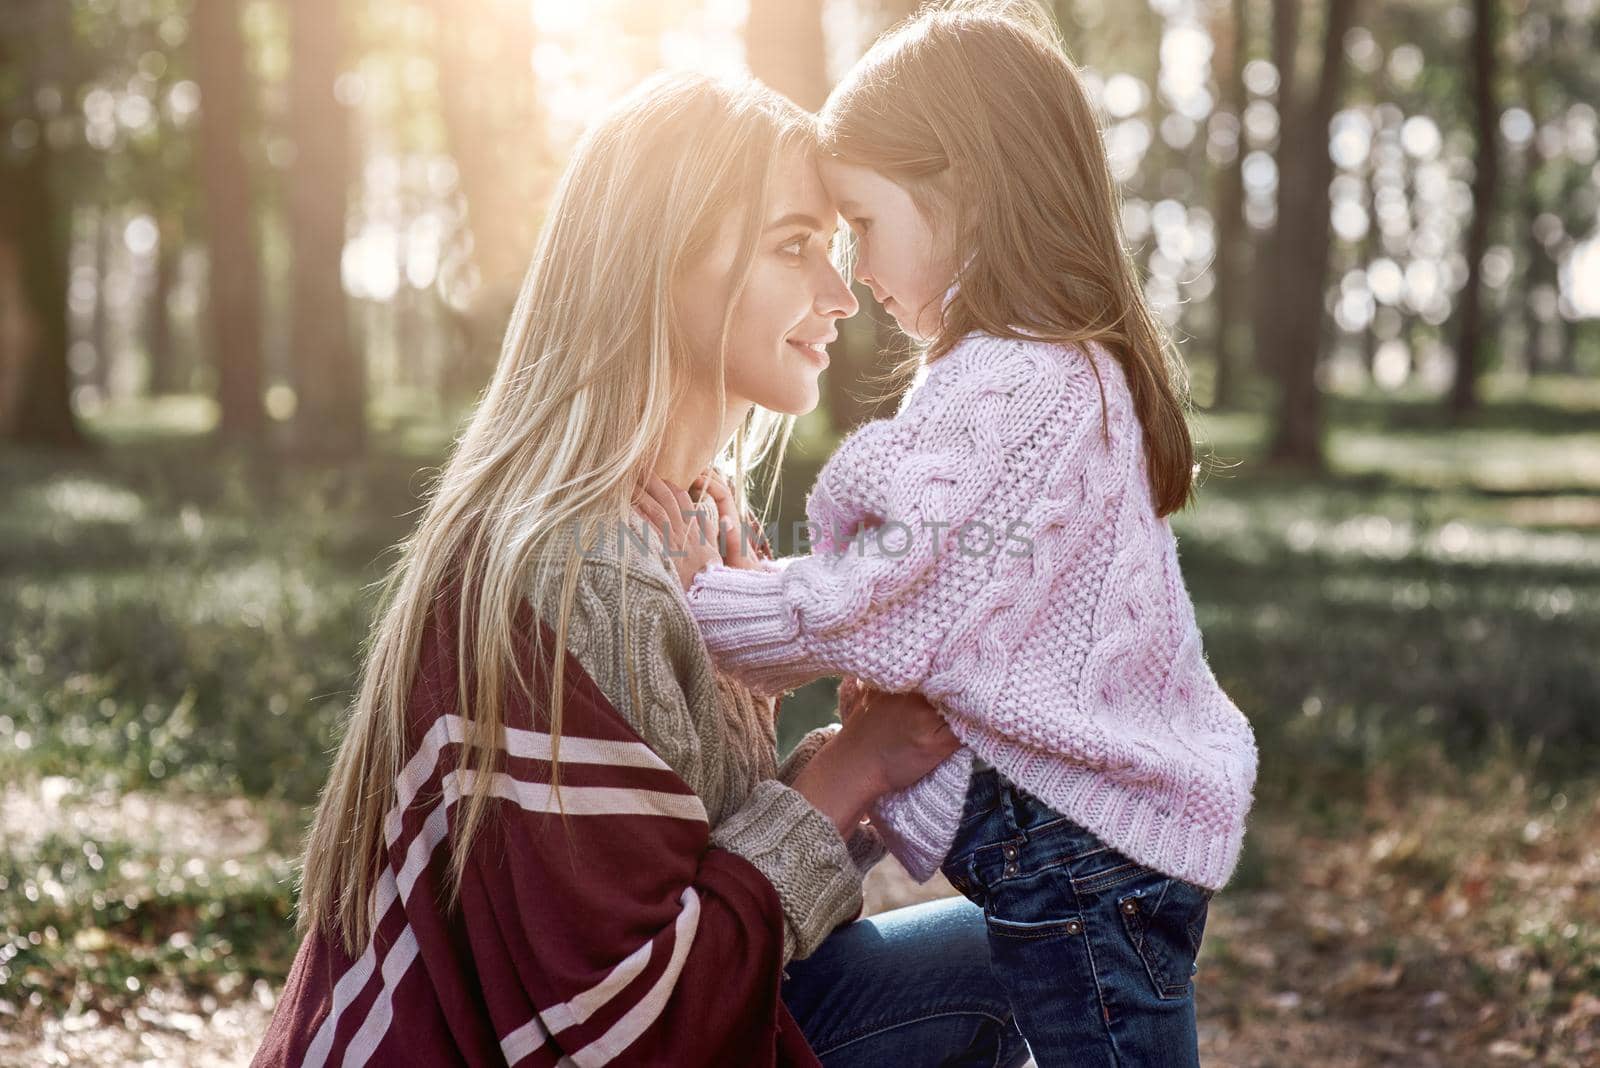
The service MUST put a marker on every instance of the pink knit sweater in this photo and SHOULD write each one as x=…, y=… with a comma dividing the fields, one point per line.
x=1076, y=669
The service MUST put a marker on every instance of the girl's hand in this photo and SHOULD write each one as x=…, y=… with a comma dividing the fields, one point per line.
x=687, y=528
x=739, y=540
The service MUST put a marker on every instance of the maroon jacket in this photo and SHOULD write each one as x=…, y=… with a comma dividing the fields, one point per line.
x=630, y=941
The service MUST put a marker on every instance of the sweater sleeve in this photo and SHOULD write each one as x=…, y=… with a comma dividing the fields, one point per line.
x=867, y=846
x=881, y=606
x=817, y=875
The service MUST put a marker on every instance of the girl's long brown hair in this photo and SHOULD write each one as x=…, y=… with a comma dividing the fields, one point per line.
x=976, y=110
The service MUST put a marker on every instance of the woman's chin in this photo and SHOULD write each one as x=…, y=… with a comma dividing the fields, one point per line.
x=793, y=398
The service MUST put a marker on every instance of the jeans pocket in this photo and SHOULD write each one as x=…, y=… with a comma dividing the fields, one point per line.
x=1165, y=919
x=1033, y=907
x=1032, y=930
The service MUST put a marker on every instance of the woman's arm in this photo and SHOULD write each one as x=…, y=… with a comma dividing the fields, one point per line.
x=633, y=938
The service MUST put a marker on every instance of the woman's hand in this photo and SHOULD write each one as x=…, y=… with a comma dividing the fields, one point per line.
x=889, y=741
x=687, y=527
x=904, y=730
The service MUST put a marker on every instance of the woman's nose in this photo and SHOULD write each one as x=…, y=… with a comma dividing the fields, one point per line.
x=836, y=300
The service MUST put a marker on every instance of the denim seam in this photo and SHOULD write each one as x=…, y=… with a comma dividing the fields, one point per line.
x=1164, y=989
x=1098, y=883
x=876, y=1029
x=1099, y=990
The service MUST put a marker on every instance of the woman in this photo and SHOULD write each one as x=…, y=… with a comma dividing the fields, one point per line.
x=553, y=833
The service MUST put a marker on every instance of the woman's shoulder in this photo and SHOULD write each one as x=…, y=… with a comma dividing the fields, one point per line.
x=619, y=577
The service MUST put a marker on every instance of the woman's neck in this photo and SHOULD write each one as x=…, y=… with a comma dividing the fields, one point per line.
x=691, y=445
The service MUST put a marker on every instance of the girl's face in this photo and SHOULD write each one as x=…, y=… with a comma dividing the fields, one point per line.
x=786, y=314
x=897, y=253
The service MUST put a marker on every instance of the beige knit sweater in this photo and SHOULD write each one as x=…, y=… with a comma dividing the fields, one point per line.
x=718, y=736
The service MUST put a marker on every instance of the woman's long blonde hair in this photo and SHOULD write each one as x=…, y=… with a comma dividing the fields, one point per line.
x=975, y=109
x=590, y=375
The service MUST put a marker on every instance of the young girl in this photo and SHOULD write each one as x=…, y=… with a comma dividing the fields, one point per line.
x=1002, y=544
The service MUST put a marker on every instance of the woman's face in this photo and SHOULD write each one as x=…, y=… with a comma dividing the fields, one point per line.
x=896, y=248
x=786, y=315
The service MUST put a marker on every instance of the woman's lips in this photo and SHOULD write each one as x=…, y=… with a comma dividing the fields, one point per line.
x=815, y=352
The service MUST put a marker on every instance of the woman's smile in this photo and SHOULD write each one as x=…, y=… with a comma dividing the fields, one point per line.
x=815, y=351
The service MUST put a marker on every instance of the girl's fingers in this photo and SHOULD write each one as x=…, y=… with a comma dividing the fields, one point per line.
x=658, y=502
x=647, y=507
x=719, y=493
x=687, y=509
x=727, y=515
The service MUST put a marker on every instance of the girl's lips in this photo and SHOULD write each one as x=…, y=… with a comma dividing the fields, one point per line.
x=817, y=354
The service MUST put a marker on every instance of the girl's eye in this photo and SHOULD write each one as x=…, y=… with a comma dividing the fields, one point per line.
x=861, y=225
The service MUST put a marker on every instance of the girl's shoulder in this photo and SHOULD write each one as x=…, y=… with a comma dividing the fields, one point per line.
x=1030, y=370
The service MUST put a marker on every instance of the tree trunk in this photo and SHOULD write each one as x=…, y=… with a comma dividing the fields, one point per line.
x=33, y=226
x=329, y=372
x=165, y=377
x=1267, y=275
x=234, y=267
x=1485, y=183
x=105, y=226
x=33, y=221
x=1302, y=242
x=1232, y=47
x=1539, y=268
x=784, y=48
x=496, y=136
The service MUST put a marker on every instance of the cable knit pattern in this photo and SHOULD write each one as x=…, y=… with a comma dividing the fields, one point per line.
x=718, y=736
x=1074, y=667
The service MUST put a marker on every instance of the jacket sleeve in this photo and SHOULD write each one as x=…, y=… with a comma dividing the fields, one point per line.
x=633, y=938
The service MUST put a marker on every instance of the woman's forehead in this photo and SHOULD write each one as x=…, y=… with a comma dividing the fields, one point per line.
x=798, y=190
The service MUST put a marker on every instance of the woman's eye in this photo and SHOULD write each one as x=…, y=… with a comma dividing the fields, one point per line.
x=796, y=247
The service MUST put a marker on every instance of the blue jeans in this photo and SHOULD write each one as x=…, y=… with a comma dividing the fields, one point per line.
x=906, y=988
x=1096, y=952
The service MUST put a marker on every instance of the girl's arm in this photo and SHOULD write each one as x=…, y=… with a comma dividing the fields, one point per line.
x=881, y=607
x=876, y=607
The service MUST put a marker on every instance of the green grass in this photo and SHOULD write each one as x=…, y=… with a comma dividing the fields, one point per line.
x=181, y=625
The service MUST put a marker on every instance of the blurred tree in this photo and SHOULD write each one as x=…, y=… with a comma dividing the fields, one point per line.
x=1539, y=267
x=234, y=263
x=107, y=230
x=1230, y=33
x=35, y=378
x=1290, y=326
x=1470, y=337
x=166, y=373
x=489, y=102
x=329, y=371
x=784, y=48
